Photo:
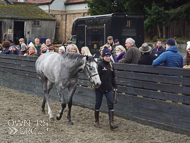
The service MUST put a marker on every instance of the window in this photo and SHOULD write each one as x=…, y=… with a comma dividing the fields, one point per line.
x=36, y=23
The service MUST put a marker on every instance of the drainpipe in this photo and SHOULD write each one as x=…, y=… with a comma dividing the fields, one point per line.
x=49, y=8
x=65, y=27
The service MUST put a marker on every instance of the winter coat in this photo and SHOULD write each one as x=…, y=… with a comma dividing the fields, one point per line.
x=119, y=57
x=107, y=76
x=45, y=52
x=170, y=58
x=185, y=62
x=113, y=52
x=146, y=59
x=157, y=53
x=6, y=51
x=23, y=52
x=16, y=52
x=131, y=56
x=38, y=48
x=33, y=55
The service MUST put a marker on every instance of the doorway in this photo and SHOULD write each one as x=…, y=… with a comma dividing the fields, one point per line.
x=18, y=31
x=1, y=33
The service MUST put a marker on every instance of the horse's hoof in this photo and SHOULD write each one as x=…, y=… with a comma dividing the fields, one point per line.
x=58, y=117
x=51, y=119
x=71, y=123
x=43, y=112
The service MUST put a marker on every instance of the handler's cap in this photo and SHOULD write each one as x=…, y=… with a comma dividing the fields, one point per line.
x=109, y=37
x=105, y=52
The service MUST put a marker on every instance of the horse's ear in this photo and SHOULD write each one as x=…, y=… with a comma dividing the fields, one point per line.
x=86, y=58
x=94, y=55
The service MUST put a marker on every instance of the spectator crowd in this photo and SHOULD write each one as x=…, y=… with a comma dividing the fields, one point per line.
x=144, y=55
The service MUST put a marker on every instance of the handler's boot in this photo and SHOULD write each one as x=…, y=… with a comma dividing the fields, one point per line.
x=111, y=115
x=97, y=125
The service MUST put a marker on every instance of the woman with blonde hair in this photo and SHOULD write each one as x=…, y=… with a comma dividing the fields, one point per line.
x=120, y=52
x=44, y=49
x=74, y=49
x=32, y=51
x=85, y=51
x=186, y=58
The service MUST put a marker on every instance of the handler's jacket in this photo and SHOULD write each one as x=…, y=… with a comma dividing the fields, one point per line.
x=107, y=76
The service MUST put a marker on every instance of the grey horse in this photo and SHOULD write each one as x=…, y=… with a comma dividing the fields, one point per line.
x=62, y=69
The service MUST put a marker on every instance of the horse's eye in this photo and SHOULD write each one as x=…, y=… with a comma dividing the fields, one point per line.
x=90, y=68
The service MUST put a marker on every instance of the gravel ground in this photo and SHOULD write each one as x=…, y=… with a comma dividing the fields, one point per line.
x=21, y=121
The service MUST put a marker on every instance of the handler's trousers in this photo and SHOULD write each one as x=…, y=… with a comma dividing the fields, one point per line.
x=99, y=97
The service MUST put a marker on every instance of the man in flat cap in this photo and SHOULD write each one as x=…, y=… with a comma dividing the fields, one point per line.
x=112, y=45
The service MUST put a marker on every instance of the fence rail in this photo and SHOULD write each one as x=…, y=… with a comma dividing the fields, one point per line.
x=157, y=96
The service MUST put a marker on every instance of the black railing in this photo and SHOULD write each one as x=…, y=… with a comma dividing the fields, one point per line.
x=158, y=96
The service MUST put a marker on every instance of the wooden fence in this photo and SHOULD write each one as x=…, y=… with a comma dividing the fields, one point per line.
x=157, y=96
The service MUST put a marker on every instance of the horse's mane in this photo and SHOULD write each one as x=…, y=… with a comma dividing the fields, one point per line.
x=74, y=56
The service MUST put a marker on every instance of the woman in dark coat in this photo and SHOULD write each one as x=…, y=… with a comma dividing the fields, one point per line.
x=146, y=58
x=107, y=76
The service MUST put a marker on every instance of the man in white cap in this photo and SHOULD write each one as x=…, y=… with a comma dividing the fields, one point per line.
x=133, y=54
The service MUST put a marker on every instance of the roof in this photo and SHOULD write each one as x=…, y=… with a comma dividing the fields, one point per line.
x=39, y=1
x=68, y=2
x=23, y=12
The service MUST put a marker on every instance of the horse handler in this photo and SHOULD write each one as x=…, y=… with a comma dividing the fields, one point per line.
x=107, y=77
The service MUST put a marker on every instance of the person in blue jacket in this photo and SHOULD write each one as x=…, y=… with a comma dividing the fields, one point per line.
x=170, y=58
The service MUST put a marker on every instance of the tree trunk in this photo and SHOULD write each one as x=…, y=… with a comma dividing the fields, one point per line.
x=164, y=31
x=158, y=28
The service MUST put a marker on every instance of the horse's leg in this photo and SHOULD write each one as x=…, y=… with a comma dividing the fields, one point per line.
x=71, y=93
x=63, y=103
x=49, y=87
x=45, y=86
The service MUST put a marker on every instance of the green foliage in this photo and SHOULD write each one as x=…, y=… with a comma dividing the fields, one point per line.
x=155, y=16
x=155, y=38
x=98, y=7
x=156, y=12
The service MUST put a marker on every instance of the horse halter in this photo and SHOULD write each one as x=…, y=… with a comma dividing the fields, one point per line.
x=90, y=76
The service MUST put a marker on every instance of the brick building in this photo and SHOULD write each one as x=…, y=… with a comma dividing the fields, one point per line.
x=65, y=12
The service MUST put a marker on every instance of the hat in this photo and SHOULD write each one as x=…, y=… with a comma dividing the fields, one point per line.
x=69, y=42
x=23, y=45
x=29, y=41
x=109, y=37
x=31, y=44
x=62, y=48
x=145, y=48
x=116, y=40
x=51, y=48
x=12, y=44
x=170, y=42
x=106, y=52
x=188, y=45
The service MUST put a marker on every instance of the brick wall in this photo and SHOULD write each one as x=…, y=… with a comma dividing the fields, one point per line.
x=64, y=22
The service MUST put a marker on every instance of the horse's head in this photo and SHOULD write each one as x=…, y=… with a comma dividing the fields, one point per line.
x=91, y=71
